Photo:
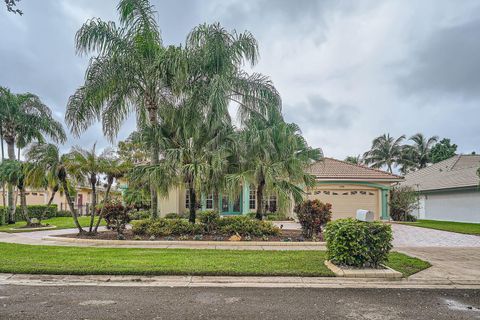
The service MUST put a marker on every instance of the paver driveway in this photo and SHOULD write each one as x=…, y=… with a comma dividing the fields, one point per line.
x=409, y=236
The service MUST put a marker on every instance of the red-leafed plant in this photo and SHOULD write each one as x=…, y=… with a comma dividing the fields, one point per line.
x=313, y=215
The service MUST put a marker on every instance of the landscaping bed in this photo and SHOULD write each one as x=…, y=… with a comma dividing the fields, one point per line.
x=284, y=236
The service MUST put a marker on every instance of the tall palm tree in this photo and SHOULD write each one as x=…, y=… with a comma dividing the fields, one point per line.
x=386, y=151
x=129, y=74
x=417, y=155
x=275, y=157
x=25, y=118
x=47, y=158
x=86, y=166
x=14, y=172
x=354, y=159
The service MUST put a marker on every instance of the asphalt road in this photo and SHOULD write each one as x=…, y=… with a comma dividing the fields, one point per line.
x=74, y=302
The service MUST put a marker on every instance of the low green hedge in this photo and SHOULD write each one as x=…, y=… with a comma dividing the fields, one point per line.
x=3, y=214
x=210, y=223
x=34, y=211
x=355, y=243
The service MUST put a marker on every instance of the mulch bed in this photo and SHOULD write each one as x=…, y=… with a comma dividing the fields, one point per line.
x=286, y=236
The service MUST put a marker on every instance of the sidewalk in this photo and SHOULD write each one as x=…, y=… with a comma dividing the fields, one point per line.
x=230, y=282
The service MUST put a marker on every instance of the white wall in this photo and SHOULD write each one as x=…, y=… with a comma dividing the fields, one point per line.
x=457, y=206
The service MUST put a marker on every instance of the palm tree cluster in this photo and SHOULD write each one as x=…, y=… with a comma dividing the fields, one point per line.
x=389, y=152
x=181, y=96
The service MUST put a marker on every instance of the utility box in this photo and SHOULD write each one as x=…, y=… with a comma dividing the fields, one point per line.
x=365, y=215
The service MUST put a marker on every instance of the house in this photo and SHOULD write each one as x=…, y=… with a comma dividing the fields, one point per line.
x=449, y=190
x=82, y=202
x=346, y=186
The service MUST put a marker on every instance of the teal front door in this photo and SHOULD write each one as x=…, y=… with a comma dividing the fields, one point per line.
x=230, y=206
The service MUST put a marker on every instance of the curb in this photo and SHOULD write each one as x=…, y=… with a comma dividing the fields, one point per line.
x=230, y=282
x=387, y=273
x=190, y=243
x=34, y=229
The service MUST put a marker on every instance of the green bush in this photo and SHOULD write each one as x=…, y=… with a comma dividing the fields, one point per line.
x=3, y=214
x=64, y=213
x=174, y=215
x=139, y=215
x=246, y=226
x=209, y=219
x=312, y=215
x=35, y=211
x=165, y=227
x=116, y=217
x=139, y=227
x=356, y=243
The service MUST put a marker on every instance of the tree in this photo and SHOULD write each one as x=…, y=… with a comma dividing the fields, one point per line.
x=130, y=74
x=24, y=118
x=11, y=6
x=86, y=166
x=403, y=201
x=13, y=172
x=417, y=155
x=47, y=158
x=274, y=159
x=354, y=159
x=386, y=151
x=443, y=150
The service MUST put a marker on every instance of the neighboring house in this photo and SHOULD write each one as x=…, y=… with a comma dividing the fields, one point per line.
x=449, y=190
x=83, y=198
x=346, y=186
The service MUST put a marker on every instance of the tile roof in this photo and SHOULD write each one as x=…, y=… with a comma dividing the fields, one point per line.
x=333, y=169
x=456, y=172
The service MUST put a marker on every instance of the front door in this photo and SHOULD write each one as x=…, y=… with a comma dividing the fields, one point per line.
x=230, y=206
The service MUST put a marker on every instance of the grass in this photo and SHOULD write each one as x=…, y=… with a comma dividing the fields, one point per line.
x=59, y=222
x=459, y=227
x=17, y=258
x=405, y=264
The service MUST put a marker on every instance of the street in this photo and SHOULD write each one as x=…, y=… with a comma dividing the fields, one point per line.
x=96, y=302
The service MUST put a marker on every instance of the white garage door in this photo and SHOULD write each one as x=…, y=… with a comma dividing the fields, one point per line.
x=453, y=206
x=345, y=203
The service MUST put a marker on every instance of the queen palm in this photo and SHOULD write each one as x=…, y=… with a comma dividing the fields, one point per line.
x=386, y=151
x=86, y=166
x=129, y=74
x=14, y=172
x=25, y=118
x=46, y=158
x=274, y=160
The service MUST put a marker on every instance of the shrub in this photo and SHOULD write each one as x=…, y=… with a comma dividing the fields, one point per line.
x=246, y=226
x=64, y=213
x=165, y=227
x=139, y=215
x=3, y=214
x=140, y=226
x=35, y=211
x=312, y=215
x=116, y=216
x=174, y=215
x=356, y=243
x=403, y=201
x=209, y=219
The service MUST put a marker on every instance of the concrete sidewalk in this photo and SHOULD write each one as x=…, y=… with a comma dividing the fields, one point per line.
x=230, y=282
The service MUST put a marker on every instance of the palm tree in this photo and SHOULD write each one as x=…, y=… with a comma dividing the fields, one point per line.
x=25, y=118
x=417, y=156
x=47, y=158
x=14, y=172
x=114, y=169
x=86, y=166
x=354, y=159
x=386, y=151
x=129, y=74
x=274, y=160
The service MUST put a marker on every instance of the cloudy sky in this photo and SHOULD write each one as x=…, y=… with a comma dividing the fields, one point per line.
x=347, y=71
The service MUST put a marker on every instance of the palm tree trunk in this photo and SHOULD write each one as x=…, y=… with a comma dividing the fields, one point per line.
x=54, y=191
x=23, y=204
x=93, y=180
x=105, y=201
x=216, y=199
x=11, y=204
x=260, y=189
x=4, y=196
x=72, y=206
x=193, y=200
x=155, y=153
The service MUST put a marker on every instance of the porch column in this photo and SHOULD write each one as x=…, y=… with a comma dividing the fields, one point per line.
x=245, y=198
x=385, y=215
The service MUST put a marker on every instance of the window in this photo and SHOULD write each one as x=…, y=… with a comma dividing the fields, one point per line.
x=34, y=193
x=272, y=204
x=187, y=200
x=252, y=200
x=209, y=202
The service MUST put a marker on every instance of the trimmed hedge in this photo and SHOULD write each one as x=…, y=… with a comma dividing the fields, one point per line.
x=34, y=211
x=3, y=214
x=356, y=243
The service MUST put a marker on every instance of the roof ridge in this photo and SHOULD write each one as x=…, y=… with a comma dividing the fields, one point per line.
x=365, y=167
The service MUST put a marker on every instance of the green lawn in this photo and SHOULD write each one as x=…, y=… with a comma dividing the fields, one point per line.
x=16, y=258
x=406, y=264
x=459, y=227
x=59, y=222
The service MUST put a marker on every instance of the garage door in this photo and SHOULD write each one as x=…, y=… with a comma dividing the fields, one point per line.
x=454, y=206
x=345, y=203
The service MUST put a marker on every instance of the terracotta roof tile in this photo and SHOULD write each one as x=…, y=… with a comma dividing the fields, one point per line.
x=333, y=169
